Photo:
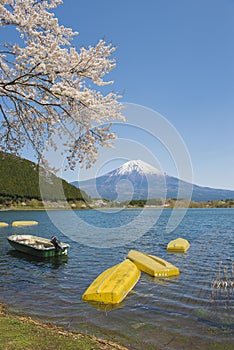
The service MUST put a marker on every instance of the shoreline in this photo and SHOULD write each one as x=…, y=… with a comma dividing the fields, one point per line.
x=25, y=329
x=103, y=204
x=110, y=208
x=19, y=332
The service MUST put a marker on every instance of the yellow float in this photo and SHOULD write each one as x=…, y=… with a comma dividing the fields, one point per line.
x=3, y=224
x=24, y=223
x=179, y=245
x=113, y=285
x=152, y=265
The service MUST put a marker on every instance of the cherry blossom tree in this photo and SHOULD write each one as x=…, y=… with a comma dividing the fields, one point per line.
x=49, y=87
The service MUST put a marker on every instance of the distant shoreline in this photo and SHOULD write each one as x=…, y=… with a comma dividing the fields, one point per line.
x=104, y=204
x=110, y=208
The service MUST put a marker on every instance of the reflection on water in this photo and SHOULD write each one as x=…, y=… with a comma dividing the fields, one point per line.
x=105, y=307
x=184, y=308
x=53, y=262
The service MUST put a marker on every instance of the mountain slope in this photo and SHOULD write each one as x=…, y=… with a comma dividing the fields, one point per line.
x=139, y=180
x=19, y=178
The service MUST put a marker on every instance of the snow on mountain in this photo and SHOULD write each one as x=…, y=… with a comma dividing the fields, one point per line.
x=133, y=180
x=138, y=166
x=139, y=180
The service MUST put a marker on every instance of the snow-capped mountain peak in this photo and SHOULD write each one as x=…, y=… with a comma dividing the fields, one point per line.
x=139, y=180
x=138, y=166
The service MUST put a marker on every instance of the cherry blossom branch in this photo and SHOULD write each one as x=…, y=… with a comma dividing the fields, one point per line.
x=44, y=87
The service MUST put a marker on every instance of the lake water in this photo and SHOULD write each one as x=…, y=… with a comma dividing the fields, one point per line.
x=174, y=313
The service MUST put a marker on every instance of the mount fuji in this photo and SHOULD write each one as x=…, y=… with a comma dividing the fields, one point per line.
x=139, y=180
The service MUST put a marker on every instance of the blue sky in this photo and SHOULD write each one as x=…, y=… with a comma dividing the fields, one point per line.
x=177, y=58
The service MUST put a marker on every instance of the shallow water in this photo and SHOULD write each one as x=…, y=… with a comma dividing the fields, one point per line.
x=175, y=313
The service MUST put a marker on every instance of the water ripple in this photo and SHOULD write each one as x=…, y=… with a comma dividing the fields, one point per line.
x=52, y=290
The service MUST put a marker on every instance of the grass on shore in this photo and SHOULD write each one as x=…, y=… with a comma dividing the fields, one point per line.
x=23, y=333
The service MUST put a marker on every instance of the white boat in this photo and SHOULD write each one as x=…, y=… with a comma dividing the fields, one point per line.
x=38, y=246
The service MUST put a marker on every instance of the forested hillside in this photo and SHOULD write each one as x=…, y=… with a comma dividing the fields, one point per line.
x=19, y=180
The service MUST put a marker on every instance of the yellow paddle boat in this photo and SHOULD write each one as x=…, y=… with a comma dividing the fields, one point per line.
x=179, y=245
x=24, y=223
x=3, y=224
x=152, y=265
x=113, y=285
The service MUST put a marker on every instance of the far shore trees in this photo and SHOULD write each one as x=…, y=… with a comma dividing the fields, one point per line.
x=49, y=87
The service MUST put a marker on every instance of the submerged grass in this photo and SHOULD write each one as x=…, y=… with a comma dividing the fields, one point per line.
x=23, y=333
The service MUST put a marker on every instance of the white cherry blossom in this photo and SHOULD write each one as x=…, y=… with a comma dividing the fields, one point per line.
x=49, y=87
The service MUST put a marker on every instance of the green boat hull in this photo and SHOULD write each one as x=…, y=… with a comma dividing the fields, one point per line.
x=37, y=251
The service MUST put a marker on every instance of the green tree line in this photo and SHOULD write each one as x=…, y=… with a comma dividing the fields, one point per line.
x=19, y=179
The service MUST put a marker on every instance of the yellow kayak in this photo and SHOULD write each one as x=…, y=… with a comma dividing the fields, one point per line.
x=3, y=224
x=179, y=245
x=152, y=265
x=24, y=223
x=113, y=285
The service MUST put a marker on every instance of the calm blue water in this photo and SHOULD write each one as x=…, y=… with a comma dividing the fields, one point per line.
x=159, y=312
